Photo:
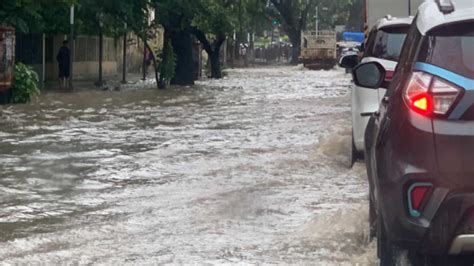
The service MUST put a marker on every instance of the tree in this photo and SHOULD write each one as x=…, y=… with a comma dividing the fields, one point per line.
x=294, y=14
x=136, y=15
x=176, y=18
x=331, y=13
x=356, y=15
x=213, y=22
x=34, y=15
x=251, y=17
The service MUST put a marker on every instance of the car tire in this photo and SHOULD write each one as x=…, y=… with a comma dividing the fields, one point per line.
x=389, y=254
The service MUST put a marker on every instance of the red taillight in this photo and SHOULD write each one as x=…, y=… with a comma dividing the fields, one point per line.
x=422, y=103
x=428, y=95
x=416, y=195
x=389, y=75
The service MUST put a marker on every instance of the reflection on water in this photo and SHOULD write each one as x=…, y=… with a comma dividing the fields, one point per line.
x=252, y=168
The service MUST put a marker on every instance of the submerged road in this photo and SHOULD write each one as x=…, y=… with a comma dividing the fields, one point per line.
x=251, y=169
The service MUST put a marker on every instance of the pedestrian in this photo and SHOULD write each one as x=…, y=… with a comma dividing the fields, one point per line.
x=63, y=58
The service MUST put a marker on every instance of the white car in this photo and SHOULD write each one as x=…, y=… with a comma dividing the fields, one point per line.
x=384, y=45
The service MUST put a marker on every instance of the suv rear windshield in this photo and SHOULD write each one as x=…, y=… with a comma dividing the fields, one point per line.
x=451, y=47
x=387, y=43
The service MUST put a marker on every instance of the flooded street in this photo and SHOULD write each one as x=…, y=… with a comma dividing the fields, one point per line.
x=250, y=169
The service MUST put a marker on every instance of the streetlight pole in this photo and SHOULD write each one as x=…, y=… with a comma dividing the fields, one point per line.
x=100, y=17
x=409, y=7
x=72, y=49
x=124, y=69
x=317, y=20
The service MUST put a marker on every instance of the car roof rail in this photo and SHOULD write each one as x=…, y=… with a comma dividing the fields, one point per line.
x=445, y=6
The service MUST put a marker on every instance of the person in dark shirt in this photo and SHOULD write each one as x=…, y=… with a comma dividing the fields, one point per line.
x=63, y=59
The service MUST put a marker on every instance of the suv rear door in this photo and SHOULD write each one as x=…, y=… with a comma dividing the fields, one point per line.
x=448, y=53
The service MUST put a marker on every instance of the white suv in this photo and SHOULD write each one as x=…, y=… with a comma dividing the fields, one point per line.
x=384, y=46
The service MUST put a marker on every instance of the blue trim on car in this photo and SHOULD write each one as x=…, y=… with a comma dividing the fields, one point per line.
x=415, y=213
x=461, y=81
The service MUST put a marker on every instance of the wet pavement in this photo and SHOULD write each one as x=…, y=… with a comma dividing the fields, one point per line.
x=251, y=169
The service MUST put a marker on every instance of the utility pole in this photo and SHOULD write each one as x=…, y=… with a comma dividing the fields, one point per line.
x=317, y=20
x=144, y=66
x=43, y=61
x=72, y=49
x=124, y=69
x=100, y=17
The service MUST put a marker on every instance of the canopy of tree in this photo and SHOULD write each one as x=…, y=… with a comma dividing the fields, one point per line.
x=210, y=21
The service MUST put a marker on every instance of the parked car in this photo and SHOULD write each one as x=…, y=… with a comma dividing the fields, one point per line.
x=420, y=144
x=384, y=46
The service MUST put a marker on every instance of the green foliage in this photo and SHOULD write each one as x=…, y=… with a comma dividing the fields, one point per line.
x=356, y=16
x=215, y=17
x=168, y=63
x=175, y=15
x=50, y=16
x=331, y=13
x=25, y=84
x=20, y=14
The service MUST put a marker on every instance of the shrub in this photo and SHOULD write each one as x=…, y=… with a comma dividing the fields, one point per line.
x=25, y=84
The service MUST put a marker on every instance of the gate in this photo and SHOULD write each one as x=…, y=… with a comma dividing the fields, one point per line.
x=7, y=57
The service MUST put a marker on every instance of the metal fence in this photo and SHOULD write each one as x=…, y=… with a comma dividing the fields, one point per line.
x=29, y=48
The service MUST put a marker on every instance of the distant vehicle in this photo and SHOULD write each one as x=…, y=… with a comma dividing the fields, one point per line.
x=420, y=144
x=318, y=50
x=384, y=46
x=344, y=46
x=357, y=37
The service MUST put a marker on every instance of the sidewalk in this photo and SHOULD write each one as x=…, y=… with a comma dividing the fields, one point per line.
x=134, y=81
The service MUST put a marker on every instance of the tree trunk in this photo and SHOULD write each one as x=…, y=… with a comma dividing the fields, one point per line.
x=214, y=57
x=155, y=63
x=295, y=38
x=293, y=25
x=162, y=82
x=213, y=50
x=183, y=48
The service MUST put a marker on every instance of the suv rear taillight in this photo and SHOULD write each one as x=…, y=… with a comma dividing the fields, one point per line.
x=417, y=195
x=429, y=95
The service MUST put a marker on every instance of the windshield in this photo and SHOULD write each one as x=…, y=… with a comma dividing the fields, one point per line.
x=388, y=43
x=452, y=48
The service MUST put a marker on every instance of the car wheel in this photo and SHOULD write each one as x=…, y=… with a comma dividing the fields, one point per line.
x=389, y=254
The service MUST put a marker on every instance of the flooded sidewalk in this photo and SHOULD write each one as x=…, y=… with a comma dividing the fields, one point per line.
x=251, y=169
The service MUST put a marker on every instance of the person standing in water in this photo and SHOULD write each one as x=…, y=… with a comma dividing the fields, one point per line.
x=63, y=58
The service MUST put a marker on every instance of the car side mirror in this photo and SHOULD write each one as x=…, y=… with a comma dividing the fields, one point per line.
x=349, y=61
x=369, y=75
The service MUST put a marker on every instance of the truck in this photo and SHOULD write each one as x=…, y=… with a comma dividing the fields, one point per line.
x=319, y=50
x=377, y=9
